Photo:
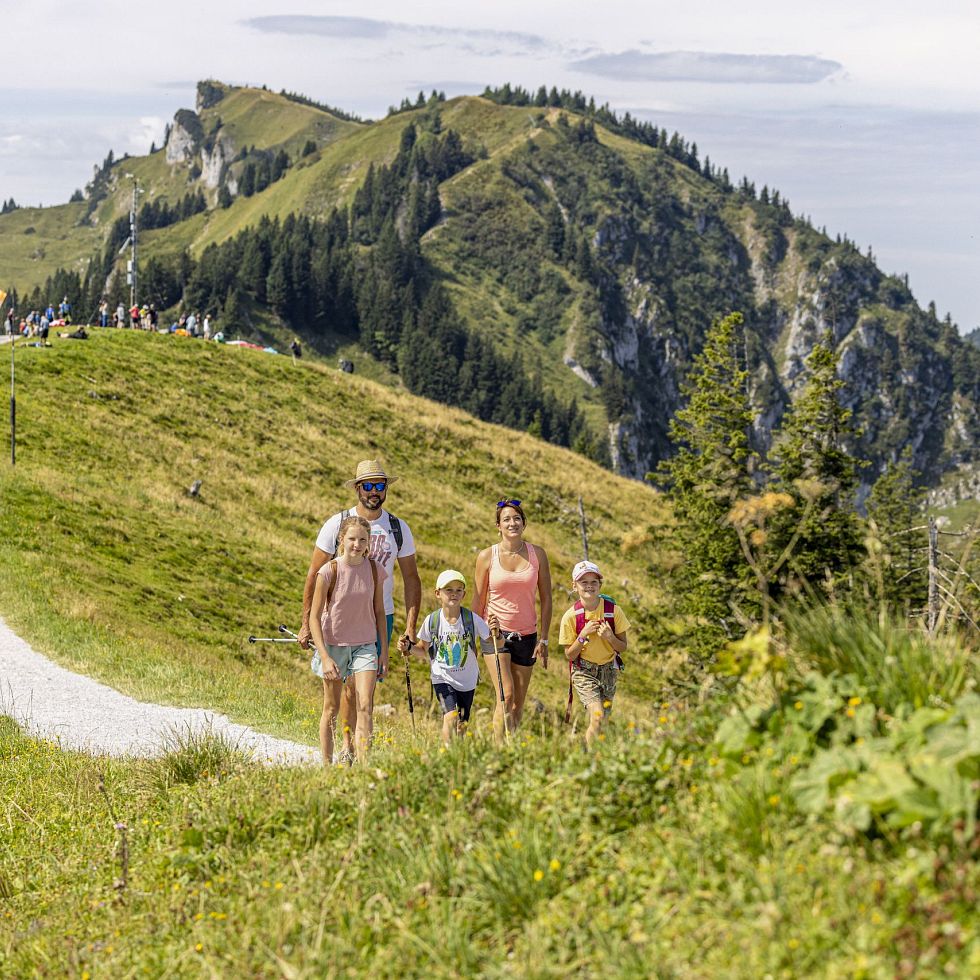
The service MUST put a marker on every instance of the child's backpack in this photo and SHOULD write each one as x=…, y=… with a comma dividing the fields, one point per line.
x=468, y=628
x=608, y=616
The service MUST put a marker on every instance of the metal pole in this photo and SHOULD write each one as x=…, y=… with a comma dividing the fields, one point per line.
x=585, y=533
x=933, y=613
x=132, y=235
x=13, y=406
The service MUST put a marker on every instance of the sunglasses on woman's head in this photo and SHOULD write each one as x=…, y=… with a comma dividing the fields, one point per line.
x=508, y=503
x=379, y=487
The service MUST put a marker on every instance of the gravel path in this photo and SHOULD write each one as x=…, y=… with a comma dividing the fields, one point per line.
x=51, y=702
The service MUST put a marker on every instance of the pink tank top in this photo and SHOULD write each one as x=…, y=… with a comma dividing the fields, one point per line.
x=511, y=595
x=349, y=618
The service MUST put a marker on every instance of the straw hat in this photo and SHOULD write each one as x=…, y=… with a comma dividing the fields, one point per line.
x=369, y=469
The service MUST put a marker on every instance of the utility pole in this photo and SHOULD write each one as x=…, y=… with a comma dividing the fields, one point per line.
x=132, y=272
x=585, y=533
x=13, y=407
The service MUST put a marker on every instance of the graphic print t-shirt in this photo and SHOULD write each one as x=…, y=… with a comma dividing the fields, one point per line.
x=455, y=663
x=383, y=547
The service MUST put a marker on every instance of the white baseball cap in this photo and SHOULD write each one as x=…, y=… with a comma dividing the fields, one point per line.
x=584, y=568
x=449, y=575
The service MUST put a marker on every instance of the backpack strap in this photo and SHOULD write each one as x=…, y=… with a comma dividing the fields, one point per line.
x=579, y=617
x=433, y=623
x=396, y=532
x=470, y=628
x=332, y=584
x=344, y=514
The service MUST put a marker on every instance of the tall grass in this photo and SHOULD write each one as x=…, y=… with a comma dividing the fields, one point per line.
x=896, y=664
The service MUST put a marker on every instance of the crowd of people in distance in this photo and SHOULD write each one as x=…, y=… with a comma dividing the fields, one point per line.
x=348, y=620
x=38, y=323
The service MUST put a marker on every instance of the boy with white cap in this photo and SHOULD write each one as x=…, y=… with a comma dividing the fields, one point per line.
x=449, y=637
x=593, y=633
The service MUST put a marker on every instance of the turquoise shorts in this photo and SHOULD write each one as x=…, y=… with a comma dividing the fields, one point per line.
x=349, y=660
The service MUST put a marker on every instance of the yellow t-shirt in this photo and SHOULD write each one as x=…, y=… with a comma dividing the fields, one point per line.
x=597, y=650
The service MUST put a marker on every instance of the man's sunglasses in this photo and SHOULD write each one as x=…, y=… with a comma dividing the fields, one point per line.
x=508, y=503
x=379, y=487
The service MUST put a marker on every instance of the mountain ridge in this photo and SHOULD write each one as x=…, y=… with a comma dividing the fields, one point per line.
x=601, y=252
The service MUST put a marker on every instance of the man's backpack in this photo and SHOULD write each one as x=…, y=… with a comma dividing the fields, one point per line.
x=469, y=629
x=393, y=523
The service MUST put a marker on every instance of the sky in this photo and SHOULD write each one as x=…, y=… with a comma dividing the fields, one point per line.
x=865, y=116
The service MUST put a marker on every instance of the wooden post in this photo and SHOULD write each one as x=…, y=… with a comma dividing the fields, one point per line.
x=932, y=616
x=585, y=533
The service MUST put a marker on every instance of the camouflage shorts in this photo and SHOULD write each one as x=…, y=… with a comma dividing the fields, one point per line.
x=595, y=683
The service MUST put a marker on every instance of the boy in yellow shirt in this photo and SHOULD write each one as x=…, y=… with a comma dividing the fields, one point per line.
x=593, y=633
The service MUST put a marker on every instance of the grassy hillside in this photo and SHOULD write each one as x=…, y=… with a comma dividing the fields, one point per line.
x=810, y=812
x=115, y=571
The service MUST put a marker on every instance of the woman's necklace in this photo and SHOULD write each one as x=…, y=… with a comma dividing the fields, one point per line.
x=507, y=551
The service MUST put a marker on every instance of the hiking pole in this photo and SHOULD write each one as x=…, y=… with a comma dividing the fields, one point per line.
x=272, y=639
x=282, y=629
x=500, y=678
x=411, y=703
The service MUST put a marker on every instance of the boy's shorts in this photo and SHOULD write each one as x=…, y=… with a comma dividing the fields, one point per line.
x=595, y=683
x=452, y=700
x=349, y=660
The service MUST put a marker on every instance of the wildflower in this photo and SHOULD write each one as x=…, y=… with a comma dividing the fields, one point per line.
x=798, y=705
x=774, y=799
x=854, y=702
x=199, y=947
x=851, y=713
x=607, y=703
x=662, y=719
x=793, y=943
x=457, y=794
x=199, y=916
x=266, y=884
x=794, y=759
x=686, y=763
x=516, y=844
x=713, y=761
x=538, y=874
x=278, y=886
x=555, y=864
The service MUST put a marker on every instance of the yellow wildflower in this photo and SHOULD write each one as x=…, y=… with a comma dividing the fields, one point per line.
x=538, y=874
x=555, y=864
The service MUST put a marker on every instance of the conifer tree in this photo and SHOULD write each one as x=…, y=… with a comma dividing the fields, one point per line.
x=710, y=471
x=813, y=466
x=895, y=507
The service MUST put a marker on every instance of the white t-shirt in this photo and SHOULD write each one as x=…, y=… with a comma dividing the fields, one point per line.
x=455, y=663
x=383, y=547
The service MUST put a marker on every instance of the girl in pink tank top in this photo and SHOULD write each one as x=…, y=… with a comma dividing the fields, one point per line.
x=511, y=578
x=348, y=606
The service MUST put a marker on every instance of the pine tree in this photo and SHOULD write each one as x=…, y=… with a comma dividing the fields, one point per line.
x=710, y=471
x=895, y=506
x=813, y=466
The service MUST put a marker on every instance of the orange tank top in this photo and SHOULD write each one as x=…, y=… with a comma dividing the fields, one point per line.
x=511, y=595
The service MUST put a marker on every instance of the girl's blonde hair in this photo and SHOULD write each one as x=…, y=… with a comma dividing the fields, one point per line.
x=352, y=520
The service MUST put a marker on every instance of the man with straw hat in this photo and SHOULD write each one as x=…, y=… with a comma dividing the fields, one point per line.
x=391, y=540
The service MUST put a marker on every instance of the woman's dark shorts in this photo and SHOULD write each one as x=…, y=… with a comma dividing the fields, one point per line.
x=452, y=700
x=521, y=649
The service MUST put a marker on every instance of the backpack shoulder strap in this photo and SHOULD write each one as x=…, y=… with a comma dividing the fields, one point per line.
x=344, y=514
x=396, y=531
x=579, y=618
x=433, y=624
x=332, y=584
x=469, y=626
x=608, y=607
x=374, y=576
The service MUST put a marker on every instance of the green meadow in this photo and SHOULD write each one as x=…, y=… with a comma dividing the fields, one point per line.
x=805, y=807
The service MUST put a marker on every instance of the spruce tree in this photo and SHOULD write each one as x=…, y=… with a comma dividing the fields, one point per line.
x=710, y=471
x=895, y=508
x=813, y=466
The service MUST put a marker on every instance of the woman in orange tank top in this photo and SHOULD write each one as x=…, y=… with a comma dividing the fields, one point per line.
x=511, y=577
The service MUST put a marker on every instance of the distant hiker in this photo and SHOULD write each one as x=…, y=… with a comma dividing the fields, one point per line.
x=153, y=317
x=509, y=577
x=134, y=317
x=593, y=633
x=103, y=314
x=64, y=309
x=346, y=366
x=347, y=610
x=295, y=348
x=451, y=638
x=207, y=326
x=49, y=313
x=191, y=325
x=120, y=315
x=391, y=539
x=8, y=323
